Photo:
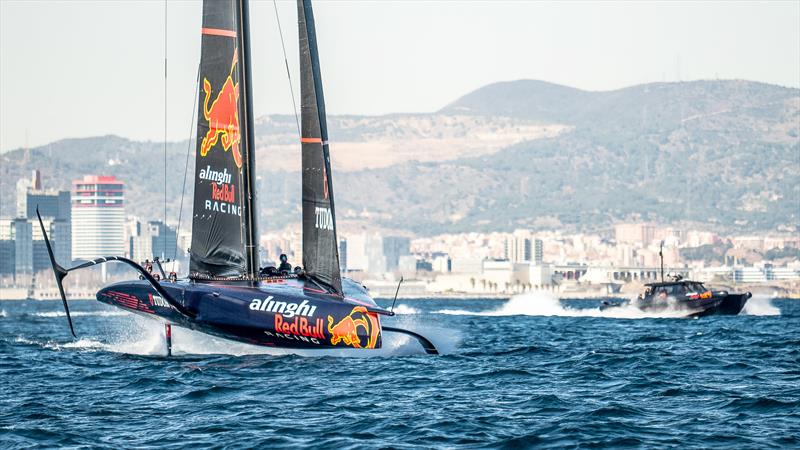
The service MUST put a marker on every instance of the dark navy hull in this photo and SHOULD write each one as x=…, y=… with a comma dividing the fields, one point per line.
x=281, y=312
x=728, y=305
x=716, y=304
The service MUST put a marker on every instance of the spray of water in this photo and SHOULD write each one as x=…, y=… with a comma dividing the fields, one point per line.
x=80, y=313
x=760, y=305
x=405, y=309
x=3, y=313
x=137, y=335
x=545, y=304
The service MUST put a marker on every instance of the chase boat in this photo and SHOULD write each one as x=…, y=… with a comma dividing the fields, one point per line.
x=226, y=293
x=685, y=295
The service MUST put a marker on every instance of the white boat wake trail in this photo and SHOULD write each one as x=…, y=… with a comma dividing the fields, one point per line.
x=544, y=304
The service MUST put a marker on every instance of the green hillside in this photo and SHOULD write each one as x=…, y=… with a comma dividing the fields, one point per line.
x=724, y=154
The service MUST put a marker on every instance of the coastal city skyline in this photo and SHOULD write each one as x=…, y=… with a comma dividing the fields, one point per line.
x=90, y=220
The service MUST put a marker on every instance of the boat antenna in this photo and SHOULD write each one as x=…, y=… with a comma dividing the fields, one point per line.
x=661, y=255
x=286, y=62
x=397, y=291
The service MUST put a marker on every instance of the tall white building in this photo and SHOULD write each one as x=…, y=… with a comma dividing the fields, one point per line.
x=98, y=217
x=521, y=247
x=374, y=253
x=517, y=246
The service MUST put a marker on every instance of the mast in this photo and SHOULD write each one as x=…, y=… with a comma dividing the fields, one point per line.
x=320, y=242
x=251, y=216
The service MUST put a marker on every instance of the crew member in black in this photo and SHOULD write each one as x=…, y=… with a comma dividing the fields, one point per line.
x=285, y=266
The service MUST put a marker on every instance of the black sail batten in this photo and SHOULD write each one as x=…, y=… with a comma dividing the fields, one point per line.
x=320, y=244
x=223, y=223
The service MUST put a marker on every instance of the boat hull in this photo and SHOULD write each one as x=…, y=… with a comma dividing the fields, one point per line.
x=718, y=304
x=729, y=305
x=277, y=313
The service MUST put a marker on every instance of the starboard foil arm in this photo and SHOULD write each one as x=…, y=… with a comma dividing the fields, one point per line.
x=60, y=273
x=426, y=344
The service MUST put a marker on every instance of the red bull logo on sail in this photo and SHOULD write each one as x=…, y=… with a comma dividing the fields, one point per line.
x=223, y=116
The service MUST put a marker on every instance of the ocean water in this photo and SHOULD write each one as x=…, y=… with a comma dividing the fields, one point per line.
x=527, y=372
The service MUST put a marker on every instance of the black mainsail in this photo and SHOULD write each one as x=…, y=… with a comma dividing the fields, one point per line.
x=224, y=242
x=320, y=245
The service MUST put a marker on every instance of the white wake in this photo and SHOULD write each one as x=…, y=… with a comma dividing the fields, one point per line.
x=545, y=304
x=143, y=336
x=760, y=305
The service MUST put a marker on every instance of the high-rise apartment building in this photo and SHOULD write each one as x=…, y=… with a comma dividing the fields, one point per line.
x=538, y=251
x=517, y=247
x=98, y=217
x=22, y=231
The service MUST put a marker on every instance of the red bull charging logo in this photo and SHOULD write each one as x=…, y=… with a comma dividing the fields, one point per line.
x=223, y=116
x=346, y=330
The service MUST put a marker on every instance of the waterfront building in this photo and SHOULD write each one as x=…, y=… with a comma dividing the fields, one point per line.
x=393, y=247
x=634, y=233
x=749, y=275
x=51, y=203
x=500, y=273
x=164, y=240
x=151, y=240
x=441, y=263
x=540, y=274
x=466, y=265
x=55, y=209
x=98, y=217
x=7, y=257
x=22, y=234
x=23, y=247
x=517, y=247
x=699, y=238
x=24, y=185
x=357, y=253
x=374, y=253
x=538, y=251
x=343, y=255
x=407, y=265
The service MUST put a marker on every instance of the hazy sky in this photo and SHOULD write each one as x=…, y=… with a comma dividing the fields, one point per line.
x=75, y=68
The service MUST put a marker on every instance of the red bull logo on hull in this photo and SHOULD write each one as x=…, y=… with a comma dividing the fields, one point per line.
x=223, y=116
x=346, y=330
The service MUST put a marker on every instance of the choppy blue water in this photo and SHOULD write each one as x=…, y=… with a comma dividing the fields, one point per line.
x=528, y=372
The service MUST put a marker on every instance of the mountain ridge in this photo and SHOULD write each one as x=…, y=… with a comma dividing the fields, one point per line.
x=661, y=151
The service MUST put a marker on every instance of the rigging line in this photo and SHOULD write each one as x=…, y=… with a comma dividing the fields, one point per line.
x=164, y=229
x=286, y=62
x=186, y=168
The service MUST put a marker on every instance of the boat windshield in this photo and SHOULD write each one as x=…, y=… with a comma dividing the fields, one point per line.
x=671, y=290
x=698, y=287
